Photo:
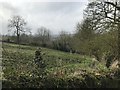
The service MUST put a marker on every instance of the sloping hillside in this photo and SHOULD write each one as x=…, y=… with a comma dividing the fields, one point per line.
x=62, y=69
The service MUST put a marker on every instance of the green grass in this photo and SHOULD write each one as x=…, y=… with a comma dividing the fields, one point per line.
x=19, y=63
x=53, y=58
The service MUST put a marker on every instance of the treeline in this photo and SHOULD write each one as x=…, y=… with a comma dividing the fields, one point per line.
x=96, y=36
x=43, y=38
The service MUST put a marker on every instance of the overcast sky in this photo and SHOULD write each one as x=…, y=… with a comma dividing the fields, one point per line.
x=55, y=16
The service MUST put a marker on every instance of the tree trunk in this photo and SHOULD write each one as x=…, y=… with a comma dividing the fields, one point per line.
x=119, y=43
x=18, y=37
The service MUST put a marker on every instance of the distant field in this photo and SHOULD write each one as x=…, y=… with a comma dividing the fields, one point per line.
x=20, y=70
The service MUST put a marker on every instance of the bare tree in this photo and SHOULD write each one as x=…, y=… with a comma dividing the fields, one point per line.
x=106, y=17
x=114, y=15
x=43, y=35
x=17, y=24
x=62, y=42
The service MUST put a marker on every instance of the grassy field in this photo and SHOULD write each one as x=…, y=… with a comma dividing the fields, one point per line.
x=62, y=69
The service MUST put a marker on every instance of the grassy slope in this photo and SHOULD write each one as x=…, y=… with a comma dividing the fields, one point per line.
x=19, y=62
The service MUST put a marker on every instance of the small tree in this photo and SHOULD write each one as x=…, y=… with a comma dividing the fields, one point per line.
x=39, y=61
x=17, y=24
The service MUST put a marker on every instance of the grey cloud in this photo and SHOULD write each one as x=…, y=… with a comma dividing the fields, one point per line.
x=8, y=7
x=52, y=7
x=56, y=16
